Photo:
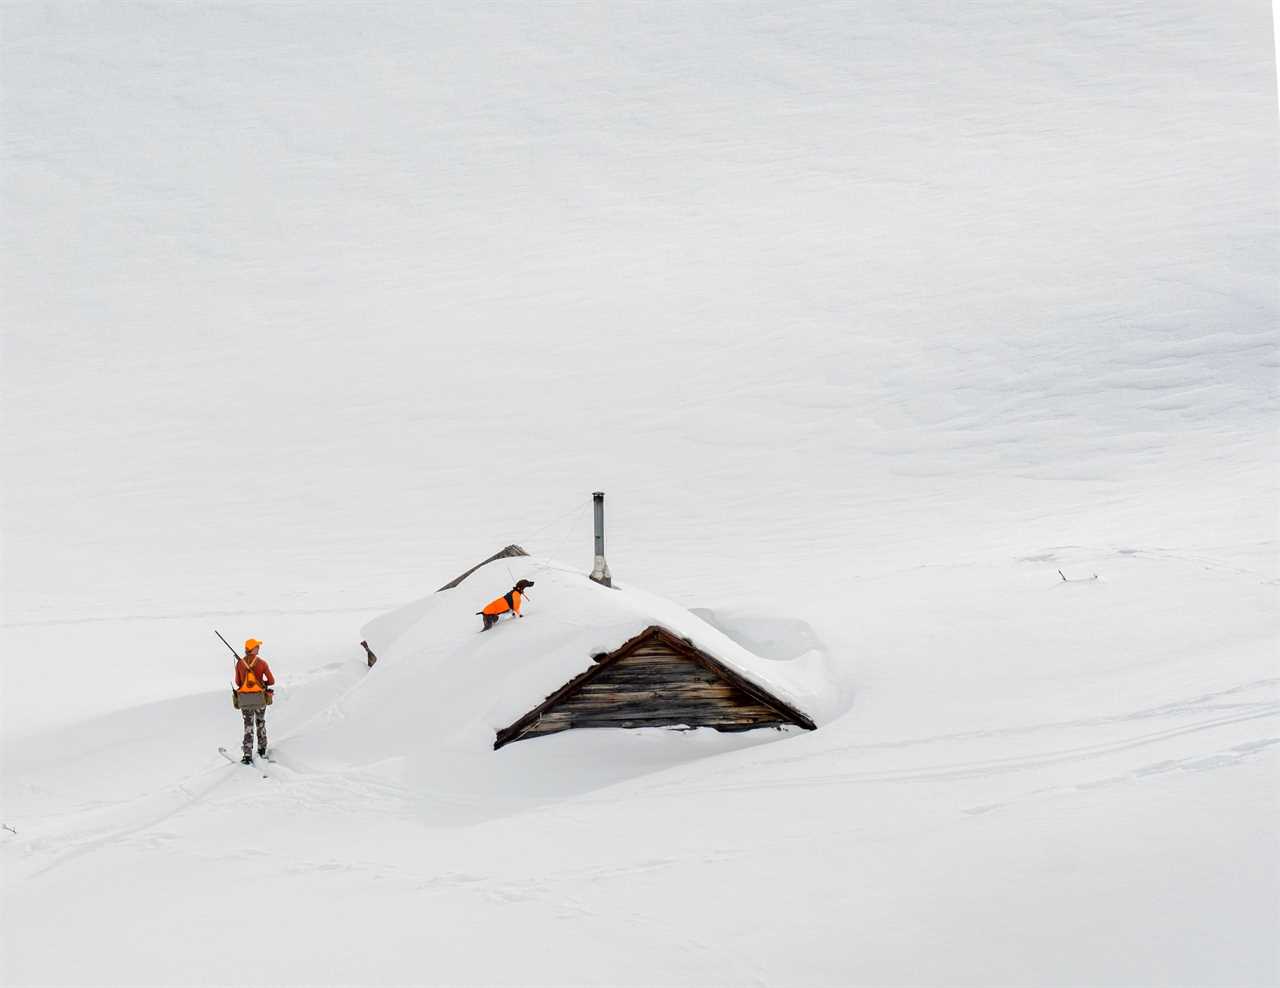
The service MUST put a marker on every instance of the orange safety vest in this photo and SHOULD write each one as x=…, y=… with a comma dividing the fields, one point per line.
x=509, y=601
x=250, y=683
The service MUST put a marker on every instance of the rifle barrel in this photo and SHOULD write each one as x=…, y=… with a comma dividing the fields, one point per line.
x=227, y=643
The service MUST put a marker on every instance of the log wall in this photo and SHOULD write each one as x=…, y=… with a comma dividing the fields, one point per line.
x=654, y=685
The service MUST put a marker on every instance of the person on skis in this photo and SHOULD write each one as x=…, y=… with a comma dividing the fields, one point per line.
x=509, y=602
x=253, y=683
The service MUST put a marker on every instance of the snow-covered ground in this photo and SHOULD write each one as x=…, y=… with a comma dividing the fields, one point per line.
x=870, y=319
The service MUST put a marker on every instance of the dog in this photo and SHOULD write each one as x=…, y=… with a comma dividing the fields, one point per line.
x=508, y=603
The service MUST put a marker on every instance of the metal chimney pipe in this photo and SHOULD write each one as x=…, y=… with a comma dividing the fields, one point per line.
x=600, y=572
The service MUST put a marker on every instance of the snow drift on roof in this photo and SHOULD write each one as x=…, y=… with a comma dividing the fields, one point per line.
x=463, y=685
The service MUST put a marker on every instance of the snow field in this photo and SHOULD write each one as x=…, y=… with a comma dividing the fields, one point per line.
x=869, y=319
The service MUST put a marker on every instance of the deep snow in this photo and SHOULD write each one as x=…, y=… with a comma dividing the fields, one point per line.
x=498, y=677
x=869, y=319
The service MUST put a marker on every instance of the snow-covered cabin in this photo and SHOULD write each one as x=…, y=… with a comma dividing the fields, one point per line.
x=584, y=656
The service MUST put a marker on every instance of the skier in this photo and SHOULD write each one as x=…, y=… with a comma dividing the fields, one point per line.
x=253, y=683
x=508, y=602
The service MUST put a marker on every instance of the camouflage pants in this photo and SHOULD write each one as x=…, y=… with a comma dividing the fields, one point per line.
x=250, y=716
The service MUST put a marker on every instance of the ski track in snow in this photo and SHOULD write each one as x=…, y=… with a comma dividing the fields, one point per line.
x=871, y=320
x=306, y=791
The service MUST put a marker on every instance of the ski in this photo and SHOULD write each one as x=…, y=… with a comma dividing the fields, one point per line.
x=236, y=761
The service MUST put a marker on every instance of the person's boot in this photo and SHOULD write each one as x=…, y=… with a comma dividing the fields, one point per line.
x=246, y=760
x=262, y=752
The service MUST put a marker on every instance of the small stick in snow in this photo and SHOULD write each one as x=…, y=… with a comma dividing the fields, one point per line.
x=369, y=652
x=9, y=828
x=1064, y=576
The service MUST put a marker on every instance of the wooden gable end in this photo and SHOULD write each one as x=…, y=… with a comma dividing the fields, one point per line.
x=655, y=680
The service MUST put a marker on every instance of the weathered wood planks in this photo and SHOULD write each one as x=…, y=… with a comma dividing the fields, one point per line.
x=655, y=680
